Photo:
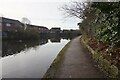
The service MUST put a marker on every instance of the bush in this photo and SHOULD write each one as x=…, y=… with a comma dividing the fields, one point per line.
x=29, y=33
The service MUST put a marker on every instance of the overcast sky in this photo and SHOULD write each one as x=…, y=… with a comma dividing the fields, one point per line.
x=39, y=12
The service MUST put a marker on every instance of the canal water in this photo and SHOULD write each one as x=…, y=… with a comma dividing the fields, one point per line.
x=29, y=59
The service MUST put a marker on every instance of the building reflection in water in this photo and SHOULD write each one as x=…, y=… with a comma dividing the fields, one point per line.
x=13, y=47
x=10, y=47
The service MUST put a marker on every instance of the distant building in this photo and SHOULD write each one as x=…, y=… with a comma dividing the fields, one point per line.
x=55, y=30
x=9, y=25
x=41, y=29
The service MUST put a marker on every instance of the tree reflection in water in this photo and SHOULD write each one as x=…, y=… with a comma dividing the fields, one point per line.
x=10, y=47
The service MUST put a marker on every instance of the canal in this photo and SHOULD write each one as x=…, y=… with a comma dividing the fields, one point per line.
x=29, y=59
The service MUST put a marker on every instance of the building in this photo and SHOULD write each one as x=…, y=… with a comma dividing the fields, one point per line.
x=9, y=25
x=42, y=29
x=55, y=30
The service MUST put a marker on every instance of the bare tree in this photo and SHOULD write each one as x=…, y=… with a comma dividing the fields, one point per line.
x=26, y=22
x=75, y=9
x=81, y=10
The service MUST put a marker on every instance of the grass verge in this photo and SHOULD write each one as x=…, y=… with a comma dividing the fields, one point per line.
x=110, y=70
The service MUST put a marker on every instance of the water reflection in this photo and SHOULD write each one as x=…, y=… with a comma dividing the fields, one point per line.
x=10, y=47
x=32, y=61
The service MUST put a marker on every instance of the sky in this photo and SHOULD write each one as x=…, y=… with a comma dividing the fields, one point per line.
x=39, y=12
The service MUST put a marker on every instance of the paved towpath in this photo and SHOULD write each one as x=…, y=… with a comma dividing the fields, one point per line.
x=77, y=63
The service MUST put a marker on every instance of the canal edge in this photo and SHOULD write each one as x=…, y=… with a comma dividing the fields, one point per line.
x=50, y=73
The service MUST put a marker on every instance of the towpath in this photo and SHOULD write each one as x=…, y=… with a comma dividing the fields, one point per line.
x=77, y=63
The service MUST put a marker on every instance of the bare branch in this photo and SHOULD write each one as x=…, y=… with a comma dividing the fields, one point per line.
x=75, y=9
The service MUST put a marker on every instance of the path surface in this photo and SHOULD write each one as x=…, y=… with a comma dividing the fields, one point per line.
x=77, y=63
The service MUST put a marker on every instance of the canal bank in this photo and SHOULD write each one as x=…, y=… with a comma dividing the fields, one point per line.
x=75, y=62
x=54, y=66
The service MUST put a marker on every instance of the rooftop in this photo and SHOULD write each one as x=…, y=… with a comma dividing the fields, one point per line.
x=38, y=26
x=7, y=20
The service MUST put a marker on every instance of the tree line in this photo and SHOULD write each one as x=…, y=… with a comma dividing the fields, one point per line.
x=99, y=25
x=99, y=20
